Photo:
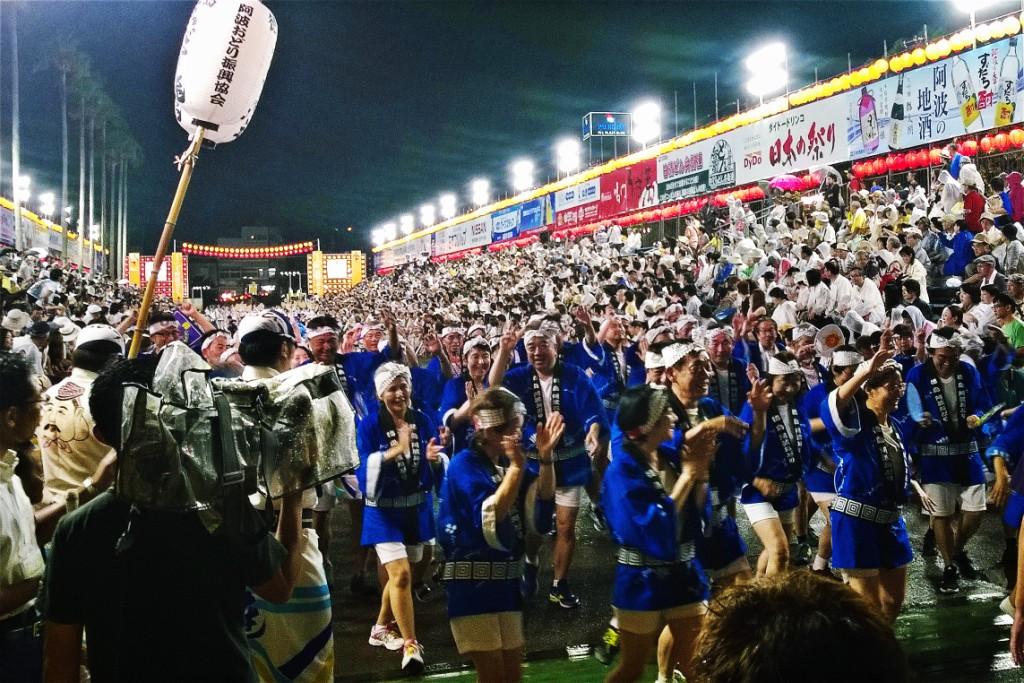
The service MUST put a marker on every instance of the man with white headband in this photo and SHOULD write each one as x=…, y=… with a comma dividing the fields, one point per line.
x=211, y=346
x=802, y=338
x=266, y=343
x=399, y=447
x=778, y=454
x=945, y=397
x=820, y=479
x=452, y=339
x=729, y=384
x=547, y=386
x=163, y=329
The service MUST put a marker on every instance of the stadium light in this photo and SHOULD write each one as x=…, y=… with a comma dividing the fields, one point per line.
x=646, y=122
x=481, y=191
x=46, y=204
x=406, y=223
x=567, y=154
x=768, y=70
x=448, y=202
x=389, y=232
x=428, y=215
x=377, y=236
x=522, y=175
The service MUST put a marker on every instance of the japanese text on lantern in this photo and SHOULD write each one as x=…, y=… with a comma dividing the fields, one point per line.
x=816, y=143
x=230, y=61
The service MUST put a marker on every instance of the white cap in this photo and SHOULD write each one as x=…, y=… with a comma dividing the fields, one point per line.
x=99, y=332
x=68, y=329
x=93, y=309
x=16, y=320
x=271, y=321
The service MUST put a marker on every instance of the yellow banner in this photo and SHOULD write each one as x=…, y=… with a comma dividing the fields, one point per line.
x=177, y=277
x=134, y=269
x=315, y=273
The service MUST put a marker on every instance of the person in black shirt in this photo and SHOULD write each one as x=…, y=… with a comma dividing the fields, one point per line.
x=165, y=600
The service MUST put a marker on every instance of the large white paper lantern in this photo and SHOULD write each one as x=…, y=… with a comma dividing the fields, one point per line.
x=222, y=65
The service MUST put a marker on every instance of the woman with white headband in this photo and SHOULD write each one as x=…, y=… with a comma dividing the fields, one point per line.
x=820, y=479
x=778, y=454
x=658, y=578
x=460, y=391
x=869, y=537
x=488, y=503
x=398, y=449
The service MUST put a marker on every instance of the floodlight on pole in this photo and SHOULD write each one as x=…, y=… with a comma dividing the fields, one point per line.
x=21, y=190
x=522, y=175
x=769, y=70
x=406, y=223
x=377, y=237
x=646, y=122
x=428, y=215
x=480, y=191
x=388, y=231
x=971, y=7
x=567, y=155
x=46, y=204
x=449, y=205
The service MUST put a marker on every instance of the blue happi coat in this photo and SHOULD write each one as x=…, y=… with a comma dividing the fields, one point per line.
x=469, y=531
x=356, y=370
x=642, y=518
x=452, y=398
x=388, y=486
x=819, y=478
x=772, y=460
x=580, y=408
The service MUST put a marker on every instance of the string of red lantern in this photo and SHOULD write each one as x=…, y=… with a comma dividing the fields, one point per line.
x=215, y=251
x=1002, y=141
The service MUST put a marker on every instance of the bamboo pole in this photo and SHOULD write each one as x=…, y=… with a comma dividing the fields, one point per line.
x=188, y=161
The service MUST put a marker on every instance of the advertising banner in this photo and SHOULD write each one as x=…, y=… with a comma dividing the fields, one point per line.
x=315, y=273
x=505, y=223
x=177, y=277
x=629, y=188
x=577, y=204
x=811, y=135
x=965, y=93
x=478, y=232
x=6, y=226
x=133, y=267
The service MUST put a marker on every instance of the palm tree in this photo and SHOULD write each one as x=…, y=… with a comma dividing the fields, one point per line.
x=19, y=237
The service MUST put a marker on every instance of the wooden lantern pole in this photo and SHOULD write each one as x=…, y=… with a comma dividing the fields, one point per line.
x=188, y=162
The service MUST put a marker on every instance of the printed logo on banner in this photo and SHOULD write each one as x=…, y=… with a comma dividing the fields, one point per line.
x=682, y=175
x=505, y=224
x=531, y=215
x=723, y=165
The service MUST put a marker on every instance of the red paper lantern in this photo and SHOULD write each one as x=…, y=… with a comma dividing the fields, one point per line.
x=970, y=148
x=1002, y=142
x=1016, y=137
x=935, y=156
x=986, y=144
x=922, y=158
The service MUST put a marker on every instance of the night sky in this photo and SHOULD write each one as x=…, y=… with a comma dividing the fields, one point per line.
x=373, y=108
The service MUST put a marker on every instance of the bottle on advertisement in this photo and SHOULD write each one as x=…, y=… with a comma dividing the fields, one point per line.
x=868, y=121
x=897, y=116
x=966, y=96
x=1006, y=87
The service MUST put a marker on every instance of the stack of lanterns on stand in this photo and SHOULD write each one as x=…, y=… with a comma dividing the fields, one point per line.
x=282, y=251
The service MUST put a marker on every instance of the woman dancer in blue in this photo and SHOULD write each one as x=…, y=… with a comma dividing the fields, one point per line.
x=460, y=391
x=778, y=453
x=658, y=578
x=397, y=449
x=489, y=502
x=869, y=536
x=821, y=478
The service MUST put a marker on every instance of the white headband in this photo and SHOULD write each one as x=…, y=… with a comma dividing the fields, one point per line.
x=801, y=331
x=209, y=340
x=659, y=404
x=655, y=332
x=162, y=326
x=475, y=342
x=320, y=331
x=487, y=418
x=937, y=341
x=653, y=361
x=777, y=367
x=716, y=332
x=845, y=359
x=450, y=330
x=676, y=352
x=387, y=374
x=549, y=332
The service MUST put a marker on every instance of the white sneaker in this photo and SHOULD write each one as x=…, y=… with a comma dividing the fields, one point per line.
x=386, y=636
x=1006, y=606
x=412, y=658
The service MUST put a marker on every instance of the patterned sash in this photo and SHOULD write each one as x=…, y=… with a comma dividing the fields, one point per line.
x=791, y=447
x=408, y=463
x=556, y=393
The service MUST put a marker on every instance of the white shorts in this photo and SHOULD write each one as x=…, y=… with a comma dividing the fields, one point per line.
x=568, y=496
x=394, y=550
x=488, y=632
x=864, y=573
x=822, y=497
x=645, y=622
x=757, y=512
x=946, y=497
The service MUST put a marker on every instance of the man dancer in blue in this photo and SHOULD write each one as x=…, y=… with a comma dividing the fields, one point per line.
x=547, y=386
x=729, y=383
x=945, y=398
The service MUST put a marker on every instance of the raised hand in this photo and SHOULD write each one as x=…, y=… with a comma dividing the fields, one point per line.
x=760, y=396
x=433, y=450
x=512, y=447
x=549, y=433
x=752, y=373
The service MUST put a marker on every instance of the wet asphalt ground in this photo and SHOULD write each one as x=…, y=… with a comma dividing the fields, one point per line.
x=948, y=638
